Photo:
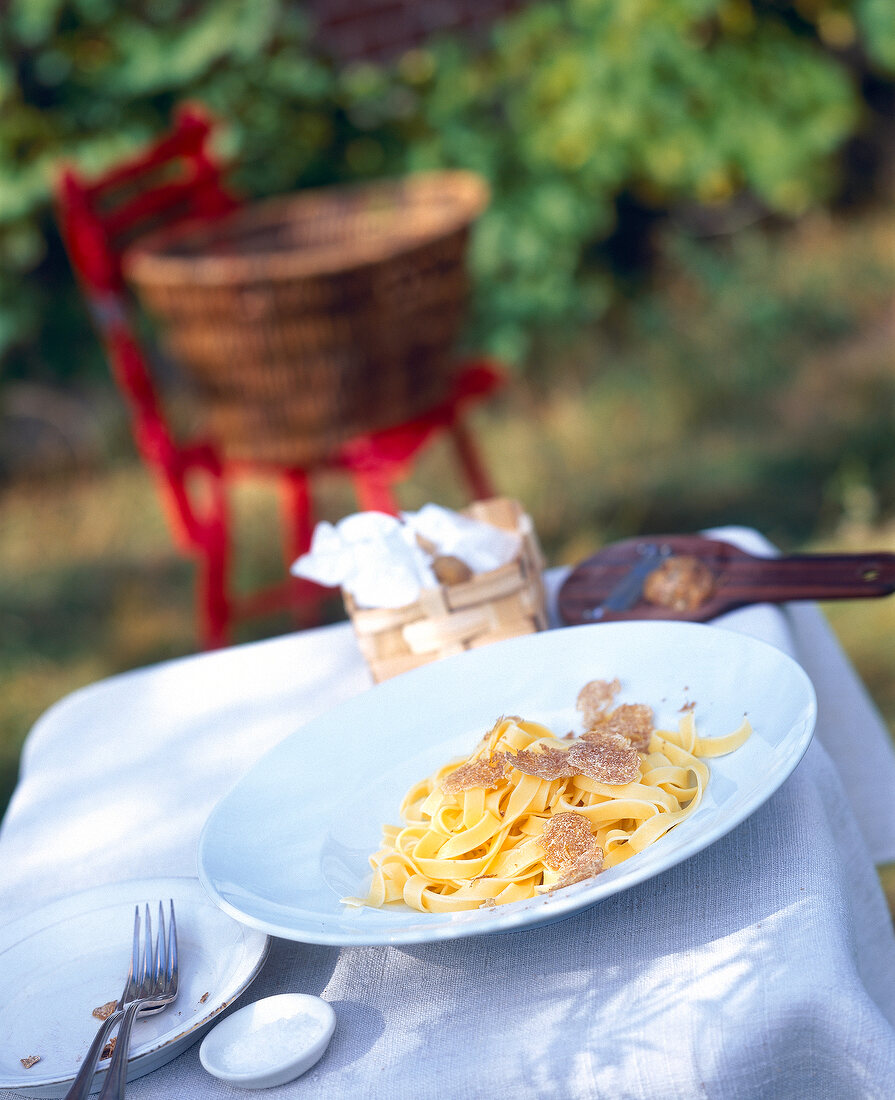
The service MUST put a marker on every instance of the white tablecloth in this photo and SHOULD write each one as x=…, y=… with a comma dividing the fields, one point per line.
x=762, y=968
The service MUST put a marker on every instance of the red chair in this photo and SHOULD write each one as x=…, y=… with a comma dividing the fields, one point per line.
x=178, y=179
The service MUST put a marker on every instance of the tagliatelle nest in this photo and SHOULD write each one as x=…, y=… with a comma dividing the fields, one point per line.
x=527, y=813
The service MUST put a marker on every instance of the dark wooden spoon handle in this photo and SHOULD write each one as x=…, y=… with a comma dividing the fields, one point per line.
x=738, y=579
x=809, y=577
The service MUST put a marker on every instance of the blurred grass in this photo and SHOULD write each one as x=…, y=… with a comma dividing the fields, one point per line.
x=752, y=382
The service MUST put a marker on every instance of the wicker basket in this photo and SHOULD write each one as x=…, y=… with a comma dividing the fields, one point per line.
x=446, y=620
x=308, y=319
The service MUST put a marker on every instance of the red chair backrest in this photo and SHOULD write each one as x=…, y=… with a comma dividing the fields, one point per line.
x=174, y=180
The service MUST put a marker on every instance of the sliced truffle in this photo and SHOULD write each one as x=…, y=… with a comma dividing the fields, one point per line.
x=586, y=867
x=631, y=720
x=546, y=763
x=571, y=848
x=476, y=773
x=595, y=698
x=566, y=838
x=606, y=758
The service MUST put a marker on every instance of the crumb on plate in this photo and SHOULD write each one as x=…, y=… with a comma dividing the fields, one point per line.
x=103, y=1012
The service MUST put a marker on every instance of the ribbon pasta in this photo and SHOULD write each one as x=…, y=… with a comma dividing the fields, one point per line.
x=486, y=830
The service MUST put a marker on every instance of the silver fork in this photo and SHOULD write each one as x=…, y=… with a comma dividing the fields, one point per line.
x=80, y=1087
x=155, y=990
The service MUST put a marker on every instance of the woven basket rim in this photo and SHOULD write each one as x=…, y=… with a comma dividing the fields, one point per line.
x=148, y=263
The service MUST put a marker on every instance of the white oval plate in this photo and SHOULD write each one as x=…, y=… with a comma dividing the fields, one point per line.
x=61, y=962
x=293, y=837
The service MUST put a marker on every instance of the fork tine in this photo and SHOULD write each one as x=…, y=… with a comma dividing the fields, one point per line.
x=146, y=976
x=130, y=984
x=161, y=949
x=172, y=948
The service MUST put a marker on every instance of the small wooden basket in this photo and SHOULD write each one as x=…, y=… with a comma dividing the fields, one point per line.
x=500, y=604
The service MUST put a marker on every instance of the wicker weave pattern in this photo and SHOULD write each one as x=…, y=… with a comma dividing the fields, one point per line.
x=451, y=618
x=307, y=320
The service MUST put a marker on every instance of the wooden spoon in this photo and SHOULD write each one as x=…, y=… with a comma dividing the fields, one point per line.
x=711, y=577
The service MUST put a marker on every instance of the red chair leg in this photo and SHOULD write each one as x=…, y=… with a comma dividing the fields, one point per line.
x=298, y=528
x=298, y=514
x=471, y=464
x=375, y=493
x=214, y=610
x=211, y=548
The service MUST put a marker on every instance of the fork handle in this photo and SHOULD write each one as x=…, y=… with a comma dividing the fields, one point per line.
x=80, y=1087
x=116, y=1078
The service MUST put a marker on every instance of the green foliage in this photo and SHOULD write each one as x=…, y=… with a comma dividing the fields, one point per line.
x=877, y=22
x=579, y=103
x=568, y=107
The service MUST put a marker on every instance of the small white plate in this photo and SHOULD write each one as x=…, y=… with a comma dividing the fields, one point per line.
x=61, y=962
x=269, y=1042
x=293, y=837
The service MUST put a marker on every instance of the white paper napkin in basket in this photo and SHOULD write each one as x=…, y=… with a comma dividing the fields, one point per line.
x=379, y=559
